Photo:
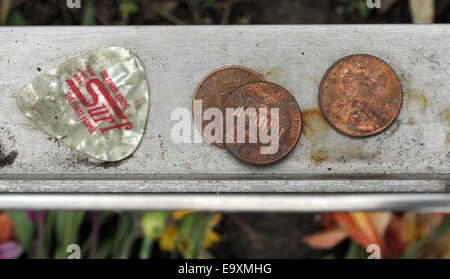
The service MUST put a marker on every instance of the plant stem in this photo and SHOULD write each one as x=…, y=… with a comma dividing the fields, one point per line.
x=146, y=249
x=39, y=242
x=94, y=234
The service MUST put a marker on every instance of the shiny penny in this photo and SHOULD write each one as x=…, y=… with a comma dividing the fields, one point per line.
x=215, y=88
x=247, y=102
x=360, y=95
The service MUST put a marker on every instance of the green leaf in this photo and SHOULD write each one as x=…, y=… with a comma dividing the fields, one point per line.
x=15, y=18
x=364, y=9
x=126, y=233
x=152, y=224
x=128, y=7
x=185, y=227
x=87, y=245
x=193, y=227
x=355, y=251
x=438, y=232
x=23, y=228
x=105, y=248
x=67, y=226
x=48, y=237
x=207, y=3
x=201, y=226
x=187, y=224
x=124, y=225
x=146, y=249
x=89, y=14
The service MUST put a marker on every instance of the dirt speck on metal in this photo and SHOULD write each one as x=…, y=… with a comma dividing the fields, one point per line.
x=7, y=159
x=354, y=151
x=8, y=152
x=80, y=159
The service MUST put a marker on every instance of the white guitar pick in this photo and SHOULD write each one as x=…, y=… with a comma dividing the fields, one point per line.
x=96, y=103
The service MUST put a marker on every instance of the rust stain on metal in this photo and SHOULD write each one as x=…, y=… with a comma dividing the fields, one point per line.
x=316, y=130
x=275, y=72
x=446, y=114
x=216, y=87
x=266, y=95
x=319, y=155
x=311, y=78
x=360, y=95
x=316, y=82
x=420, y=98
x=315, y=125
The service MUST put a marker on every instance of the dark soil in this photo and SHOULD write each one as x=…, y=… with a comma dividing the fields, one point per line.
x=155, y=12
x=270, y=235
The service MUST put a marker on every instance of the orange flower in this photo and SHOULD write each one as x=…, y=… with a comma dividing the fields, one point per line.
x=364, y=228
x=178, y=215
x=394, y=234
x=6, y=228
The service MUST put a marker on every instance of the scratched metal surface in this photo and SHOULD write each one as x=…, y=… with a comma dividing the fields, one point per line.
x=413, y=155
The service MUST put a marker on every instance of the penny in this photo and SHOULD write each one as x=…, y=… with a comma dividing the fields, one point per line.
x=215, y=88
x=273, y=111
x=360, y=95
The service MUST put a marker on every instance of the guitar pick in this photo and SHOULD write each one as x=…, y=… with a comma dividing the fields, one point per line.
x=96, y=103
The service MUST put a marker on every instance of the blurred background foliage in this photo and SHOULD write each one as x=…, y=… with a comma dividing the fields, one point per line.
x=145, y=12
x=102, y=235
x=187, y=234
x=190, y=235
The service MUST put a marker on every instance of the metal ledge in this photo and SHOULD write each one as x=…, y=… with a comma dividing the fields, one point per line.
x=186, y=185
x=412, y=156
x=230, y=202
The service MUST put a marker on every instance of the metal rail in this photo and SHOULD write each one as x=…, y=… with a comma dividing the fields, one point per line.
x=230, y=202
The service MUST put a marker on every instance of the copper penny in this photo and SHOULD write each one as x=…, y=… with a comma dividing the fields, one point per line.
x=215, y=88
x=281, y=110
x=360, y=95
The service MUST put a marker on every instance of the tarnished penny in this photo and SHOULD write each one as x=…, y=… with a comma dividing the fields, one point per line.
x=215, y=88
x=269, y=96
x=360, y=95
